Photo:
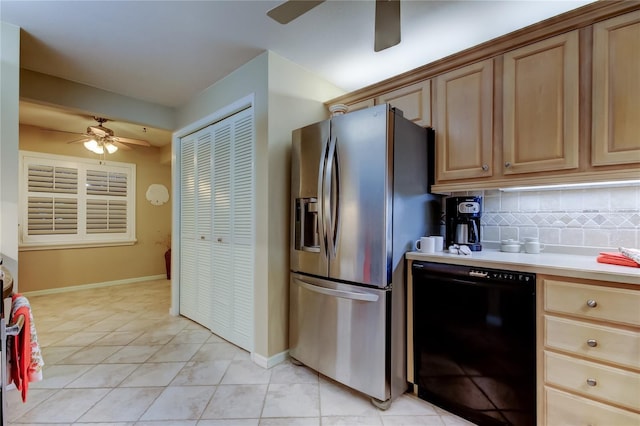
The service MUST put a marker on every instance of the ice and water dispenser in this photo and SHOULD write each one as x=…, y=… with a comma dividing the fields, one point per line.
x=306, y=225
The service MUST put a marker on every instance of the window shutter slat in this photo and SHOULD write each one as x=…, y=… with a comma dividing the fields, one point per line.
x=43, y=178
x=106, y=183
x=51, y=216
x=106, y=216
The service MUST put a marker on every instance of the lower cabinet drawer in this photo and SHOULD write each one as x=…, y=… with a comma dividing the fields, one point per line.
x=564, y=409
x=588, y=378
x=592, y=301
x=599, y=342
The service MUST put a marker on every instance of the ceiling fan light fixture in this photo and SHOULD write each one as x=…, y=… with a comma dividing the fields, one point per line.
x=100, y=147
x=93, y=146
x=111, y=148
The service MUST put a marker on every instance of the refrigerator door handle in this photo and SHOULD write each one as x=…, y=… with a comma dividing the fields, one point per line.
x=322, y=201
x=353, y=295
x=329, y=208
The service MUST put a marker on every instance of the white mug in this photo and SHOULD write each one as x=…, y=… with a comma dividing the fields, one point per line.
x=425, y=245
x=533, y=247
x=438, y=242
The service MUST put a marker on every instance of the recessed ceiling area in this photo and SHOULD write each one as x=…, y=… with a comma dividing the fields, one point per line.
x=166, y=52
x=76, y=122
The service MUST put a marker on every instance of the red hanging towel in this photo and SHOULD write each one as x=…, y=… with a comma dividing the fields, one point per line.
x=25, y=357
x=21, y=353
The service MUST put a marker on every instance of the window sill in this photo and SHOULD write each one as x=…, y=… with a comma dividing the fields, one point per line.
x=58, y=246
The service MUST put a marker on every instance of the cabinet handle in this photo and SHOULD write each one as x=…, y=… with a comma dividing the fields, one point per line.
x=592, y=343
x=507, y=164
x=592, y=303
x=591, y=382
x=485, y=167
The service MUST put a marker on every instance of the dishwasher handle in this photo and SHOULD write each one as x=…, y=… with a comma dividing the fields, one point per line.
x=353, y=295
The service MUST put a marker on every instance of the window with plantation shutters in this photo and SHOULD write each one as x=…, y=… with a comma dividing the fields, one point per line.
x=69, y=201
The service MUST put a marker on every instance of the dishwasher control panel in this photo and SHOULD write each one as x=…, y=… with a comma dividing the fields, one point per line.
x=510, y=276
x=477, y=273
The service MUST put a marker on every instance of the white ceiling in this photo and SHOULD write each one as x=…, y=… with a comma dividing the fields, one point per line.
x=165, y=52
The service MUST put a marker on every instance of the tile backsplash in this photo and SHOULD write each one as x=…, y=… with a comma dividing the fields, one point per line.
x=602, y=218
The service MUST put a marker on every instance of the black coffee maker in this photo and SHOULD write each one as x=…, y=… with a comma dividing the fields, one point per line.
x=463, y=221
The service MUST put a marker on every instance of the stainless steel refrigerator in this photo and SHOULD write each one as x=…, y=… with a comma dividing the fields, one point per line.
x=359, y=198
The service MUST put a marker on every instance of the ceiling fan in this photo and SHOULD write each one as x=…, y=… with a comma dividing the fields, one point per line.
x=387, y=24
x=101, y=140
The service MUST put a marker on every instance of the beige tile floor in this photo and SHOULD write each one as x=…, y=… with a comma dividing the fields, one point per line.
x=114, y=356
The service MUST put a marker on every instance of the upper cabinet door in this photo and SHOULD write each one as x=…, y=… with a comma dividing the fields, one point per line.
x=464, y=122
x=540, y=106
x=616, y=90
x=414, y=101
x=367, y=103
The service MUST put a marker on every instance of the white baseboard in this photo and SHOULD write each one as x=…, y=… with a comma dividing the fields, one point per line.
x=95, y=285
x=271, y=361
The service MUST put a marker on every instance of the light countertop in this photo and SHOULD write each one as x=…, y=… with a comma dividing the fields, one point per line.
x=568, y=265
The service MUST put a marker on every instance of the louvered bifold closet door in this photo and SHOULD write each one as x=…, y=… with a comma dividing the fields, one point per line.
x=243, y=230
x=195, y=227
x=217, y=228
x=233, y=229
x=222, y=271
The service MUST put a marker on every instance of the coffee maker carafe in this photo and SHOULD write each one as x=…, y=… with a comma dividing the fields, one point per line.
x=463, y=221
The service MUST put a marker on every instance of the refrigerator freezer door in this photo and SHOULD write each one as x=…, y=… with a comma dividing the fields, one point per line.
x=361, y=198
x=308, y=245
x=340, y=331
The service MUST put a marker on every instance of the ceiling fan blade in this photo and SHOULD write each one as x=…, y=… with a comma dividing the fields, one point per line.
x=291, y=9
x=122, y=140
x=387, y=30
x=121, y=146
x=58, y=131
x=83, y=139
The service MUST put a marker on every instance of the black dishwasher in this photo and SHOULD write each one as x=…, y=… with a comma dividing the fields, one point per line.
x=474, y=340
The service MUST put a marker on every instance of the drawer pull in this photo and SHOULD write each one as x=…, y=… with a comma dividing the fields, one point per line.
x=592, y=382
x=592, y=303
x=592, y=343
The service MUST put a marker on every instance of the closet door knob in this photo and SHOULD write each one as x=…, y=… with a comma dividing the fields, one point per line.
x=592, y=303
x=592, y=343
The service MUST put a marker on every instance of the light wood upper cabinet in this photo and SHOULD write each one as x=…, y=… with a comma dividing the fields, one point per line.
x=556, y=102
x=361, y=105
x=414, y=101
x=616, y=91
x=540, y=106
x=464, y=122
